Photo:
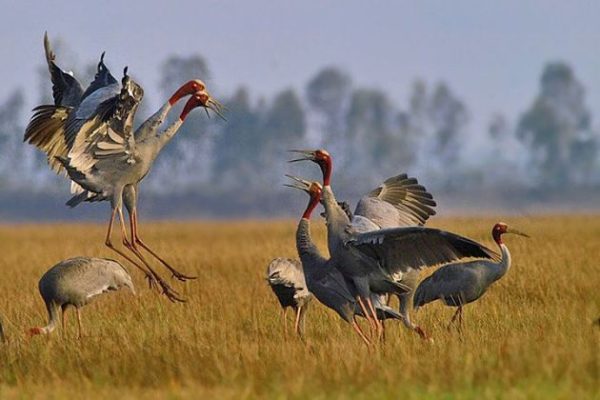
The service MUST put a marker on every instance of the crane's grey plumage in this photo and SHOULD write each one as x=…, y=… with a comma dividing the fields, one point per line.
x=88, y=135
x=75, y=282
x=323, y=278
x=286, y=278
x=458, y=284
x=373, y=260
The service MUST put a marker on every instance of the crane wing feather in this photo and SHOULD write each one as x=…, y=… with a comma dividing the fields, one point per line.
x=399, y=201
x=401, y=249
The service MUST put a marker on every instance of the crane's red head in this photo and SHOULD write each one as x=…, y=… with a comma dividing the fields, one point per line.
x=187, y=89
x=313, y=189
x=321, y=158
x=202, y=99
x=35, y=331
x=501, y=228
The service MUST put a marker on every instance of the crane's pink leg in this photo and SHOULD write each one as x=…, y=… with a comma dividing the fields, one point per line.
x=297, y=322
x=285, y=324
x=80, y=330
x=366, y=313
x=166, y=289
x=62, y=321
x=359, y=331
x=458, y=310
x=109, y=244
x=377, y=322
x=137, y=240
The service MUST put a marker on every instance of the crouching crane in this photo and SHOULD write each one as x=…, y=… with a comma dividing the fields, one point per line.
x=75, y=282
x=458, y=284
x=286, y=278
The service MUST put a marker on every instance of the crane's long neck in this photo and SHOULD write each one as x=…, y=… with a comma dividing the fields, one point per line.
x=500, y=269
x=309, y=254
x=151, y=125
x=337, y=219
x=52, y=320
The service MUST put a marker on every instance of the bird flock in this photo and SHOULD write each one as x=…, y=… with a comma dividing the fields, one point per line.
x=375, y=253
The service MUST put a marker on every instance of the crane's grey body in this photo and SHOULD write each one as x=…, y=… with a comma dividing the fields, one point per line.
x=376, y=261
x=328, y=284
x=458, y=284
x=76, y=281
x=88, y=135
x=286, y=278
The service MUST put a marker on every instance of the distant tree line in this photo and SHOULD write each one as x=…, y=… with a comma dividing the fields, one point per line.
x=551, y=145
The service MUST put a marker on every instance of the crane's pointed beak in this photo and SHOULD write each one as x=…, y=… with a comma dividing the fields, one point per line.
x=517, y=232
x=216, y=107
x=308, y=155
x=298, y=183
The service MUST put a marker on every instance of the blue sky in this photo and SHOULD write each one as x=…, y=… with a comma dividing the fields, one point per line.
x=491, y=54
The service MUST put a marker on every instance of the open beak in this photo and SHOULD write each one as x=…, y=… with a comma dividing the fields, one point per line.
x=307, y=155
x=214, y=105
x=298, y=183
x=517, y=232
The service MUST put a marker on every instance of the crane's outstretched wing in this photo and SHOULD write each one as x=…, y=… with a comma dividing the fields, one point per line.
x=399, y=201
x=106, y=137
x=53, y=128
x=66, y=90
x=402, y=249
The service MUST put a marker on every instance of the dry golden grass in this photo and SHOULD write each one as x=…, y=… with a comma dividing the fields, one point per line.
x=531, y=336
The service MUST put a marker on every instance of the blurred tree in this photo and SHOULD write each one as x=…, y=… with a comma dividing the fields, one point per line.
x=448, y=116
x=21, y=167
x=177, y=70
x=328, y=94
x=557, y=127
x=372, y=142
x=237, y=151
x=284, y=128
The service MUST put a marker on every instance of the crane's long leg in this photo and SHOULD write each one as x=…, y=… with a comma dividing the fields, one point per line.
x=80, y=330
x=297, y=321
x=453, y=318
x=108, y=243
x=166, y=289
x=284, y=317
x=62, y=321
x=366, y=313
x=359, y=331
x=378, y=324
x=137, y=240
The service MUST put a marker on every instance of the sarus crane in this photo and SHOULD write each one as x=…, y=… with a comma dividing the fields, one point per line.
x=88, y=135
x=398, y=201
x=323, y=278
x=75, y=282
x=372, y=260
x=458, y=284
x=286, y=278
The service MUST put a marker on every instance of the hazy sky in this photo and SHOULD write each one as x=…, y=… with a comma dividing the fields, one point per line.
x=491, y=53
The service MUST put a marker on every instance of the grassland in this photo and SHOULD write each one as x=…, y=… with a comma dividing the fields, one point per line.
x=531, y=336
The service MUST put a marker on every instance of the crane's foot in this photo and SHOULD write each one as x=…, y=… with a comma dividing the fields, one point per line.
x=152, y=284
x=181, y=277
x=169, y=292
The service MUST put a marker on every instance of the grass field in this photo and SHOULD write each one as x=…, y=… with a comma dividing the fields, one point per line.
x=530, y=337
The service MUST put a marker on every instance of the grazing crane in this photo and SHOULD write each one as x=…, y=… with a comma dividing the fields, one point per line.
x=88, y=135
x=75, y=282
x=286, y=278
x=323, y=279
x=458, y=284
x=372, y=260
